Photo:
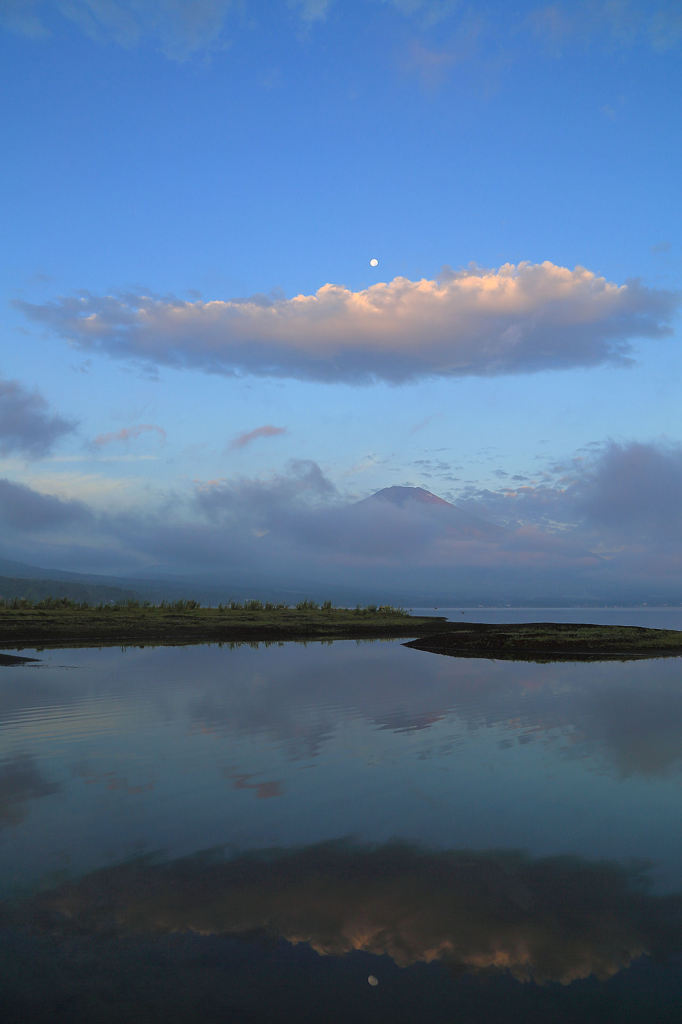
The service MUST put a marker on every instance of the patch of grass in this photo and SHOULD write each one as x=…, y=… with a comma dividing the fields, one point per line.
x=60, y=621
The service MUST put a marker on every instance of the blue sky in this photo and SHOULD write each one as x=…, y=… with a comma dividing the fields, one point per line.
x=514, y=168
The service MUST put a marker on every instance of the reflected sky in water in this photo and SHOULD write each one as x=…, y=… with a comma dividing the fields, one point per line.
x=406, y=766
x=105, y=753
x=554, y=919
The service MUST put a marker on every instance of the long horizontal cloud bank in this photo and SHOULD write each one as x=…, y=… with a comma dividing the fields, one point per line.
x=606, y=526
x=517, y=319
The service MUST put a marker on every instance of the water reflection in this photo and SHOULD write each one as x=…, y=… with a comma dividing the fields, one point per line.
x=277, y=749
x=555, y=919
x=13, y=661
x=20, y=782
x=629, y=713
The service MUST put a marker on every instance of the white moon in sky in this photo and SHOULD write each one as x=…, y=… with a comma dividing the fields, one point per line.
x=374, y=262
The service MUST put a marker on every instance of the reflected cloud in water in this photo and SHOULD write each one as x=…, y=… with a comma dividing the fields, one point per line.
x=109, y=780
x=627, y=715
x=21, y=781
x=555, y=919
x=263, y=790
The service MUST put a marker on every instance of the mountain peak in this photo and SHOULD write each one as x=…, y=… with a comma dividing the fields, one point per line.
x=408, y=495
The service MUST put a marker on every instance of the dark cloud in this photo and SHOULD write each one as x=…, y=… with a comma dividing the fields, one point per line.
x=26, y=510
x=26, y=424
x=634, y=491
x=266, y=501
x=518, y=319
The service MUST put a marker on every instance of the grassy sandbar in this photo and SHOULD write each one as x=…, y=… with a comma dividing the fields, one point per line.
x=69, y=624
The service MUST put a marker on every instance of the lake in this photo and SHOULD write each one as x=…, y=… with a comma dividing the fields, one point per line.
x=345, y=831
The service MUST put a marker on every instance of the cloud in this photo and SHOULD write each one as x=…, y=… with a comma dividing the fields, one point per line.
x=252, y=435
x=26, y=510
x=518, y=319
x=180, y=28
x=311, y=10
x=615, y=23
x=430, y=12
x=21, y=16
x=267, y=502
x=26, y=425
x=126, y=433
x=634, y=491
x=618, y=491
x=431, y=65
x=605, y=525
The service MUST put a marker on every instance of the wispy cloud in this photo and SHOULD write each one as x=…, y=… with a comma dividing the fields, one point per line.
x=426, y=12
x=311, y=10
x=517, y=319
x=180, y=28
x=128, y=433
x=26, y=424
x=614, y=23
x=431, y=65
x=252, y=435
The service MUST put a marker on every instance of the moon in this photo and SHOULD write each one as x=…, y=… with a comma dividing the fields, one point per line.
x=374, y=262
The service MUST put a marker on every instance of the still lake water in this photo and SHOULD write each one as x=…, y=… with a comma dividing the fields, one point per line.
x=350, y=831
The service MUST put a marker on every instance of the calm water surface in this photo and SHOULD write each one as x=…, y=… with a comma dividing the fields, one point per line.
x=205, y=833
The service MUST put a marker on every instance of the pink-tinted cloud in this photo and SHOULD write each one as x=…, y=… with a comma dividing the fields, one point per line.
x=252, y=435
x=128, y=433
x=517, y=319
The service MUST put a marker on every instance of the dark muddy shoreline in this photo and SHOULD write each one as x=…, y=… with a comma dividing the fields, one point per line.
x=551, y=641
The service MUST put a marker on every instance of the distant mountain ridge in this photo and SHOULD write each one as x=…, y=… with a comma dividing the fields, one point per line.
x=37, y=589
